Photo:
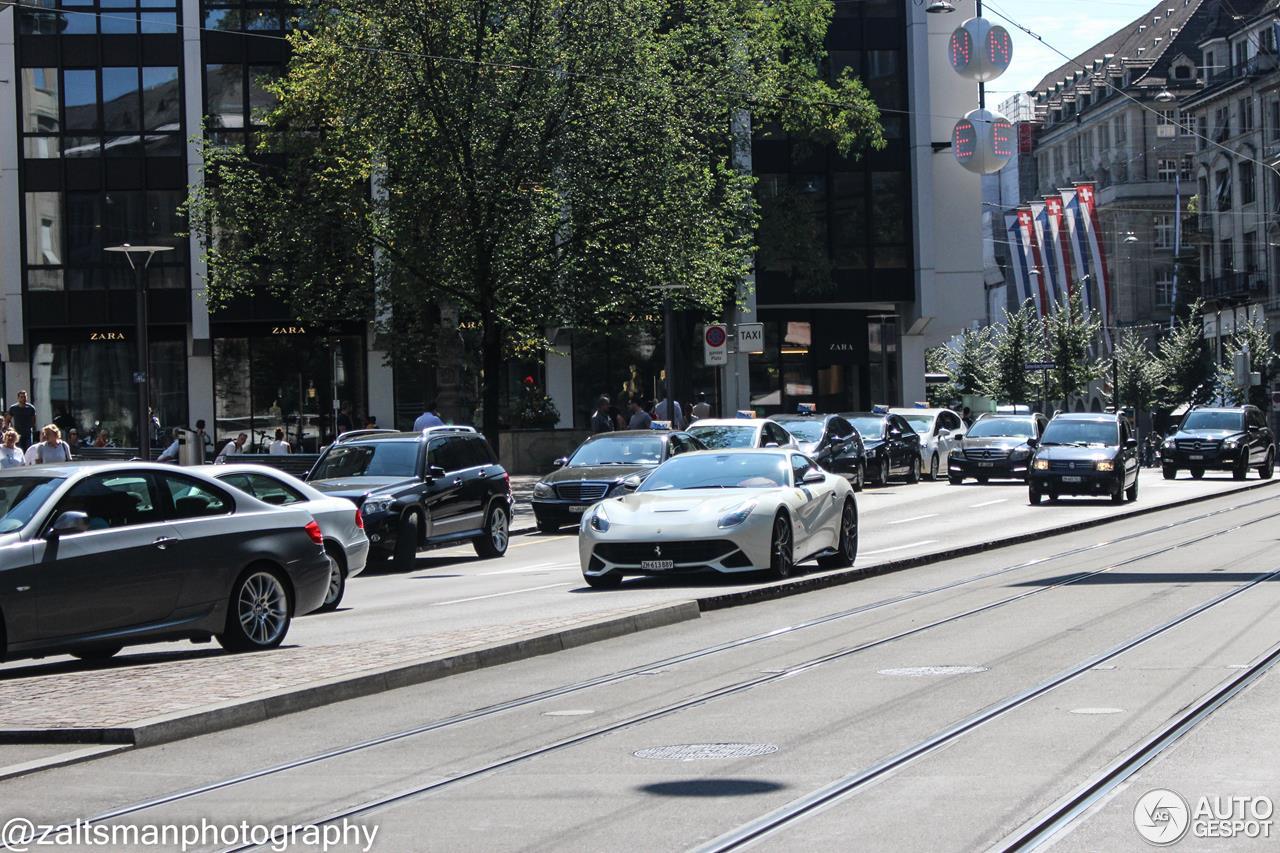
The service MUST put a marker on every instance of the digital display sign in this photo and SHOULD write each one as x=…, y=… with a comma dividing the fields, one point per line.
x=1002, y=138
x=999, y=47
x=980, y=51
x=961, y=49
x=983, y=142
x=964, y=140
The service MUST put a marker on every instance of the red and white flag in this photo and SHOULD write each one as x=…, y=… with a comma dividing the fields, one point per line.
x=1097, y=257
x=1027, y=227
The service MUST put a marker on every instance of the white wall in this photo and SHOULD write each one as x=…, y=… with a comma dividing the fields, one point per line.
x=17, y=373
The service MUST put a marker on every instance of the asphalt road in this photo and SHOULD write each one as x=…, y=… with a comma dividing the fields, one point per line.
x=451, y=588
x=817, y=688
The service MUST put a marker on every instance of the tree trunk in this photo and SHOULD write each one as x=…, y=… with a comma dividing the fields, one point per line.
x=491, y=361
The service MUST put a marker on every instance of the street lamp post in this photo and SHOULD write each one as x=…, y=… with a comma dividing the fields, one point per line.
x=140, y=377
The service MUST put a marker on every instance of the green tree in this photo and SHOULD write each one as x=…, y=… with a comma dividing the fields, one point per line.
x=938, y=360
x=523, y=163
x=965, y=360
x=1184, y=366
x=1137, y=372
x=1070, y=332
x=1252, y=337
x=1017, y=340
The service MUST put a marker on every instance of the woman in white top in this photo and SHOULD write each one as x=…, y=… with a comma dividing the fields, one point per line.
x=50, y=449
x=11, y=454
x=279, y=447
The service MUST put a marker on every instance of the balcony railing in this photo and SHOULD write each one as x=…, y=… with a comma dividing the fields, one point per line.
x=1260, y=64
x=1236, y=285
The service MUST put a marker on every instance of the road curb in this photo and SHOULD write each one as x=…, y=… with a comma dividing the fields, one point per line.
x=783, y=589
x=240, y=712
x=62, y=759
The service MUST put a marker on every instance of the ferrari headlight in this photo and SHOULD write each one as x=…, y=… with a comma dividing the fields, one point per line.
x=1041, y=465
x=542, y=490
x=737, y=515
x=599, y=519
x=377, y=504
x=1105, y=465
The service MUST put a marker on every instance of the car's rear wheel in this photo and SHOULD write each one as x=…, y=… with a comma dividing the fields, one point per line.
x=781, y=554
x=1268, y=468
x=1197, y=473
x=611, y=580
x=1170, y=472
x=883, y=476
x=1241, y=470
x=258, y=613
x=97, y=654
x=337, y=580
x=497, y=533
x=860, y=477
x=406, y=543
x=847, y=546
x=933, y=467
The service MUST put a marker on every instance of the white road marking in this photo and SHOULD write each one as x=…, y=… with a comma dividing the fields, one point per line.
x=989, y=503
x=499, y=594
x=916, y=518
x=898, y=548
x=536, y=567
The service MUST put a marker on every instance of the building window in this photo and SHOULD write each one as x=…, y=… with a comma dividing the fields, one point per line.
x=1186, y=124
x=1250, y=248
x=1273, y=120
x=1165, y=118
x=1166, y=170
x=1164, y=287
x=1245, y=111
x=1104, y=138
x=1242, y=55
x=1188, y=167
x=108, y=17
x=1226, y=257
x=1247, y=190
x=1120, y=130
x=1163, y=225
x=1223, y=188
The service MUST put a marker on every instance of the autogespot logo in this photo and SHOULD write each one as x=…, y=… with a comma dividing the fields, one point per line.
x=1162, y=817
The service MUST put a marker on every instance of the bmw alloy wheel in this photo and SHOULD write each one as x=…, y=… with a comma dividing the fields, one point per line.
x=263, y=608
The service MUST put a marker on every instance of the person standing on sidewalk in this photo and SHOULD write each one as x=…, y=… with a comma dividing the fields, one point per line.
x=51, y=448
x=23, y=416
x=601, y=420
x=279, y=447
x=669, y=410
x=639, y=417
x=10, y=453
x=428, y=418
x=701, y=409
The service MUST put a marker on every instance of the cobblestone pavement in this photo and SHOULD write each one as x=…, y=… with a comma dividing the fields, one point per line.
x=119, y=695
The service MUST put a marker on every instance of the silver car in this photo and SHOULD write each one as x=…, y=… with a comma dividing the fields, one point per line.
x=345, y=541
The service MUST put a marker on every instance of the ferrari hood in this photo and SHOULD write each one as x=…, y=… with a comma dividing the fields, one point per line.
x=679, y=506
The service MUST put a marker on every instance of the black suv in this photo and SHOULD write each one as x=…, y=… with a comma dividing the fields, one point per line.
x=832, y=442
x=996, y=447
x=1085, y=454
x=1228, y=439
x=441, y=485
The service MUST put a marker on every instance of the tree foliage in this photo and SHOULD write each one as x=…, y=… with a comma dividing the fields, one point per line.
x=1185, y=368
x=1137, y=372
x=529, y=163
x=1019, y=339
x=1252, y=337
x=1070, y=333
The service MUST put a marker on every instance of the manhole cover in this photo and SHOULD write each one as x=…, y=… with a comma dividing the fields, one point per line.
x=924, y=671
x=705, y=751
x=1097, y=710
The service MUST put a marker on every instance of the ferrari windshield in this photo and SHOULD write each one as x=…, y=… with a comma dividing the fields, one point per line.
x=1082, y=433
x=804, y=430
x=725, y=435
x=619, y=450
x=720, y=471
x=22, y=497
x=1233, y=421
x=1003, y=428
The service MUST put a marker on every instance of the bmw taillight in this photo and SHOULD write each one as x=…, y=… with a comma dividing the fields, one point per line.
x=313, y=530
x=359, y=520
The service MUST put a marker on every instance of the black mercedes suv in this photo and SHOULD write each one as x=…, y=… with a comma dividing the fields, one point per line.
x=1085, y=454
x=439, y=486
x=1226, y=439
x=997, y=446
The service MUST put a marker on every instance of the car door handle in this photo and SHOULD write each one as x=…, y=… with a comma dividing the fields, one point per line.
x=457, y=481
x=162, y=542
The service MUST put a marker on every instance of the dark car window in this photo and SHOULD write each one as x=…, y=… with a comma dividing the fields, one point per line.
x=112, y=500
x=625, y=449
x=264, y=488
x=951, y=421
x=724, y=435
x=1233, y=421
x=799, y=467
x=193, y=499
x=777, y=435
x=22, y=497
x=474, y=452
x=374, y=459
x=809, y=430
x=839, y=427
x=484, y=452
x=1257, y=420
x=870, y=426
x=1003, y=428
x=1082, y=433
x=447, y=453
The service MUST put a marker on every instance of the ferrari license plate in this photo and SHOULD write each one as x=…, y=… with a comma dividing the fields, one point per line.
x=1072, y=479
x=1196, y=456
x=657, y=565
x=577, y=508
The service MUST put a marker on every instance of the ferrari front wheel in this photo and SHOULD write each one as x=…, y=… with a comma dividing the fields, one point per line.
x=781, y=554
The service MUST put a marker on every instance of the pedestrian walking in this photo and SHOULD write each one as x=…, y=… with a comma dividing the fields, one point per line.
x=601, y=421
x=51, y=447
x=428, y=418
x=640, y=419
x=279, y=447
x=669, y=410
x=10, y=453
x=23, y=420
x=232, y=447
x=701, y=409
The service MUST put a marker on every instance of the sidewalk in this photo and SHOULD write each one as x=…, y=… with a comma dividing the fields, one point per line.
x=522, y=520
x=143, y=704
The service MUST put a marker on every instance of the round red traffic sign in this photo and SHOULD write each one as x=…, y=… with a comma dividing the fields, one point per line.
x=715, y=336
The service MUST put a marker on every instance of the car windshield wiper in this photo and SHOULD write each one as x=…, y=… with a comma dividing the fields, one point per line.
x=1050, y=444
x=709, y=486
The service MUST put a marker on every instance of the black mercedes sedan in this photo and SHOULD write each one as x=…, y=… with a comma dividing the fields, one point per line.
x=892, y=446
x=598, y=468
x=832, y=442
x=1086, y=454
x=98, y=556
x=1221, y=439
x=997, y=447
